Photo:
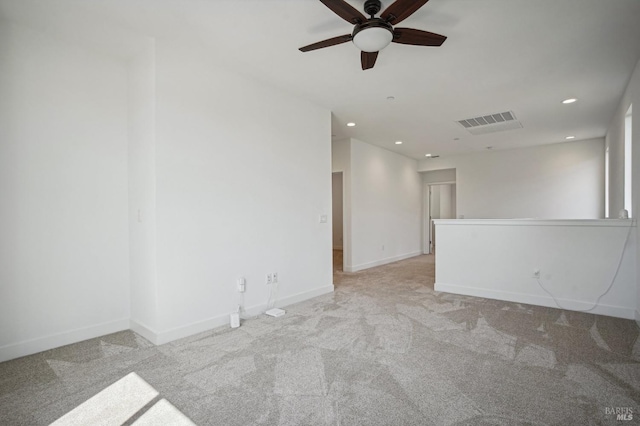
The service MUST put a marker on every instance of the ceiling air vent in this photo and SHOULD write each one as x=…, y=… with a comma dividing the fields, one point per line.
x=491, y=123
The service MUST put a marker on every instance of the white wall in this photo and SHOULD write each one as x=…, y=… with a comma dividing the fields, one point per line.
x=64, y=252
x=243, y=175
x=142, y=191
x=615, y=142
x=559, y=181
x=386, y=206
x=578, y=262
x=447, y=194
x=98, y=235
x=435, y=207
x=445, y=202
x=439, y=176
x=454, y=206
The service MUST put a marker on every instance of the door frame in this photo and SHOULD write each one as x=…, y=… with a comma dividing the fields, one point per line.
x=427, y=221
x=344, y=218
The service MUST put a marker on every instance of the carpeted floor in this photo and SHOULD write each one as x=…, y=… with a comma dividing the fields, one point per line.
x=384, y=349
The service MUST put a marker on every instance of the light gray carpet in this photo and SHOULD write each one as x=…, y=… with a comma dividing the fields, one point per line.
x=384, y=349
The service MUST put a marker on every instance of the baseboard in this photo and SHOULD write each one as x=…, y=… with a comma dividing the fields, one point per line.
x=289, y=300
x=567, y=304
x=32, y=346
x=143, y=330
x=162, y=337
x=190, y=329
x=305, y=295
x=381, y=262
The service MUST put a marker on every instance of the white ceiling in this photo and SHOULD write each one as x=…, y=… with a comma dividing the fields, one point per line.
x=524, y=56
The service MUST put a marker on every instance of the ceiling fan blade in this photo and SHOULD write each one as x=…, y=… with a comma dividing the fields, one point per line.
x=400, y=10
x=327, y=43
x=345, y=11
x=417, y=37
x=368, y=59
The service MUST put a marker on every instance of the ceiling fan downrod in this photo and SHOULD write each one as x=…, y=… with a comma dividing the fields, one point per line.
x=372, y=7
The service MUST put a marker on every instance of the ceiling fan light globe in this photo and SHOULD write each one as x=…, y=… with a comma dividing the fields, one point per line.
x=373, y=35
x=372, y=39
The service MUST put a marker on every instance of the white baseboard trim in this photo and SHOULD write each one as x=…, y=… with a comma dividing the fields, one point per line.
x=289, y=300
x=32, y=346
x=39, y=344
x=190, y=329
x=567, y=304
x=160, y=338
x=381, y=262
x=305, y=295
x=144, y=330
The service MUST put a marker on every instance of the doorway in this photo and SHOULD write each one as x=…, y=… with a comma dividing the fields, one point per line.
x=337, y=198
x=440, y=203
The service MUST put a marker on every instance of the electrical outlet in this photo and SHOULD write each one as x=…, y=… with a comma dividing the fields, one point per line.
x=269, y=279
x=275, y=277
x=536, y=273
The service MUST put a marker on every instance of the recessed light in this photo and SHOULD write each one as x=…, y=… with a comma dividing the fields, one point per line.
x=351, y=124
x=570, y=137
x=428, y=155
x=569, y=101
x=398, y=142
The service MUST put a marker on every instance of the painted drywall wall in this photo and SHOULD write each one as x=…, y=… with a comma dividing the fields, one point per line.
x=386, y=206
x=240, y=190
x=142, y=191
x=454, y=205
x=439, y=176
x=337, y=210
x=615, y=143
x=586, y=265
x=558, y=181
x=445, y=205
x=64, y=252
x=434, y=206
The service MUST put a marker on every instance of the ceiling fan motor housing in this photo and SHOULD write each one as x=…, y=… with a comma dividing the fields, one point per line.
x=372, y=7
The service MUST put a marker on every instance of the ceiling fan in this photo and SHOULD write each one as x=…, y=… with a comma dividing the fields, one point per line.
x=371, y=35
